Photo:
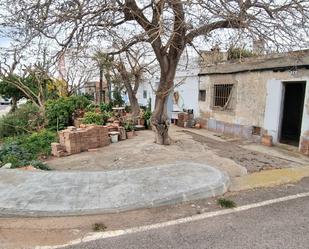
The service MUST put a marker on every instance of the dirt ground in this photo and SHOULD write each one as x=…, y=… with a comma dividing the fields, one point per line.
x=236, y=157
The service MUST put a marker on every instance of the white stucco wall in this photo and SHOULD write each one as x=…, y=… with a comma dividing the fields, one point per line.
x=186, y=84
x=274, y=106
x=188, y=93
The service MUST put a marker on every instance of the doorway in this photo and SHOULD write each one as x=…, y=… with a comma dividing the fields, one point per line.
x=293, y=104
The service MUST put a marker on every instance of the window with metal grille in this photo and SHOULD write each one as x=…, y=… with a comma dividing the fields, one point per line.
x=202, y=95
x=222, y=94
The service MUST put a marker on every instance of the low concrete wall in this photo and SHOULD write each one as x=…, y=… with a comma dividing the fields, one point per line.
x=230, y=129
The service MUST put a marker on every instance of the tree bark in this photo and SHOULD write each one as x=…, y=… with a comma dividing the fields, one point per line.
x=160, y=120
x=14, y=104
x=132, y=98
x=134, y=103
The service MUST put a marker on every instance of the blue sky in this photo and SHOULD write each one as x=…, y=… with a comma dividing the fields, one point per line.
x=4, y=42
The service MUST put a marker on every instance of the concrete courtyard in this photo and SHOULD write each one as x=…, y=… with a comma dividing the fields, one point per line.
x=234, y=156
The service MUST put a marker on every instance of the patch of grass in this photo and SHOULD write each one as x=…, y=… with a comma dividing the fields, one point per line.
x=225, y=203
x=99, y=227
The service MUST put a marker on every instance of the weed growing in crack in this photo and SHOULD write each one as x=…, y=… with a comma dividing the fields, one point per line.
x=225, y=203
x=99, y=227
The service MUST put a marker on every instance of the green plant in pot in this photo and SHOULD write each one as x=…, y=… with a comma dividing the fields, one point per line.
x=92, y=118
x=129, y=129
x=147, y=117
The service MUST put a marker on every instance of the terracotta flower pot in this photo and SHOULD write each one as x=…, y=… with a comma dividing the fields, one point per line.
x=142, y=121
x=198, y=126
x=267, y=140
x=130, y=134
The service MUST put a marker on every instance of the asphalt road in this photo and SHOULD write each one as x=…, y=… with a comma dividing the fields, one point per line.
x=278, y=226
x=2, y=107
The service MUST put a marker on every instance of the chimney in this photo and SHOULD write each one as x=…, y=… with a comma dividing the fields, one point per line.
x=214, y=56
x=258, y=46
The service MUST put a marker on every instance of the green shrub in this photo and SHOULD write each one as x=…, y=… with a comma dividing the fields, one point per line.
x=238, y=53
x=226, y=203
x=147, y=114
x=13, y=152
x=96, y=118
x=39, y=143
x=129, y=126
x=91, y=108
x=128, y=109
x=89, y=96
x=106, y=116
x=92, y=118
x=59, y=112
x=25, y=119
x=117, y=98
x=106, y=107
x=26, y=150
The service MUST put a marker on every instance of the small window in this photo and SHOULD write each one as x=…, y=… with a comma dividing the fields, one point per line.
x=256, y=130
x=145, y=94
x=202, y=95
x=222, y=94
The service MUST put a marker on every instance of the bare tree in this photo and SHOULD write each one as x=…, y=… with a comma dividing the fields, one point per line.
x=32, y=80
x=167, y=25
x=76, y=68
x=132, y=65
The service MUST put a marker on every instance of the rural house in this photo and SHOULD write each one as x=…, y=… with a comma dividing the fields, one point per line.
x=264, y=95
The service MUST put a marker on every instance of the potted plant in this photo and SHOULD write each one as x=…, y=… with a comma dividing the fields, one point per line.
x=147, y=117
x=129, y=129
x=141, y=120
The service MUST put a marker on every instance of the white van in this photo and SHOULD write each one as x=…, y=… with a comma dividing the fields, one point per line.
x=4, y=101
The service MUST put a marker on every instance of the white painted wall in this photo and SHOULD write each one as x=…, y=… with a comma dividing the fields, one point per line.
x=272, y=117
x=186, y=82
x=188, y=93
x=305, y=119
x=274, y=107
x=146, y=85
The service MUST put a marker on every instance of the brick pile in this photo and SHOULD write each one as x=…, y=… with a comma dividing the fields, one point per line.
x=185, y=120
x=73, y=140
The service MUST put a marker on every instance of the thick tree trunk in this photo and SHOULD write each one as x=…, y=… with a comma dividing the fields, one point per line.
x=14, y=104
x=160, y=120
x=134, y=104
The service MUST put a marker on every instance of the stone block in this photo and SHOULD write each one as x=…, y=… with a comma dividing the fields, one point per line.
x=220, y=126
x=212, y=124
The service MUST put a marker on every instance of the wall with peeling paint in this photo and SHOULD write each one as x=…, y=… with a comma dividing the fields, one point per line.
x=256, y=101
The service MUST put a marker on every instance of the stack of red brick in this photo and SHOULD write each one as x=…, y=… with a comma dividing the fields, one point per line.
x=73, y=141
x=185, y=120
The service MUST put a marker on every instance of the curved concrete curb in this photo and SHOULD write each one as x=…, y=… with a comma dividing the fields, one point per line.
x=57, y=193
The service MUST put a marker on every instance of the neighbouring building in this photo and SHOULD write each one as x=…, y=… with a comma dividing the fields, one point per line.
x=186, y=88
x=92, y=88
x=261, y=95
x=249, y=98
